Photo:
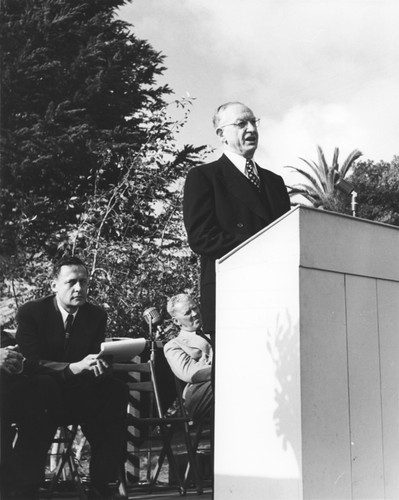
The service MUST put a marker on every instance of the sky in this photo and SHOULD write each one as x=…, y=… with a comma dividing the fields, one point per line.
x=316, y=72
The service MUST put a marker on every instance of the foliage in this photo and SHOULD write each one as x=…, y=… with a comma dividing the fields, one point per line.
x=131, y=235
x=90, y=163
x=323, y=178
x=73, y=81
x=377, y=185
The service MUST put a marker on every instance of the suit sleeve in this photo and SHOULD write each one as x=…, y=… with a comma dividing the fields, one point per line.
x=205, y=235
x=28, y=339
x=185, y=367
x=45, y=358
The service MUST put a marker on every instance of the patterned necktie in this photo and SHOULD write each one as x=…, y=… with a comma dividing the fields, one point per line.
x=250, y=171
x=68, y=329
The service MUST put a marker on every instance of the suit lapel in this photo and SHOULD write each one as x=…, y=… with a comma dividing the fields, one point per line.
x=57, y=316
x=233, y=180
x=59, y=329
x=195, y=342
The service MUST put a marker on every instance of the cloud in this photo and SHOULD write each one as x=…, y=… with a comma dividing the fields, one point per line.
x=369, y=122
x=316, y=71
x=290, y=50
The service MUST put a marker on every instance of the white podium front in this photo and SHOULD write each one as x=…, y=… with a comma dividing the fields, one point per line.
x=307, y=361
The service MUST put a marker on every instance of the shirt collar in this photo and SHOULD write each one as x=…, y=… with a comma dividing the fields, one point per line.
x=64, y=313
x=238, y=161
x=195, y=339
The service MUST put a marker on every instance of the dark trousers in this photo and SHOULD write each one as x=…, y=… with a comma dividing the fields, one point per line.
x=198, y=400
x=99, y=405
x=32, y=405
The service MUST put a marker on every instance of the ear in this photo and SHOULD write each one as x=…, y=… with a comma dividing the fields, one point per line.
x=176, y=322
x=220, y=134
x=54, y=286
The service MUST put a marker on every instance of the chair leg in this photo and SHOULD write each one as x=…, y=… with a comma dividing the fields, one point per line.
x=166, y=451
x=67, y=459
x=122, y=482
x=192, y=462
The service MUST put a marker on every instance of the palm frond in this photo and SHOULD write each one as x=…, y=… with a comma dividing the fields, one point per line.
x=316, y=170
x=310, y=194
x=352, y=157
x=308, y=176
x=303, y=188
x=335, y=164
x=322, y=178
x=320, y=183
x=323, y=165
x=315, y=202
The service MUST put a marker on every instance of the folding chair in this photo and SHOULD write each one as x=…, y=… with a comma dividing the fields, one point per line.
x=64, y=439
x=145, y=383
x=196, y=430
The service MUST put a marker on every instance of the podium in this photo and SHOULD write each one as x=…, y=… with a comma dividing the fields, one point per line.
x=307, y=361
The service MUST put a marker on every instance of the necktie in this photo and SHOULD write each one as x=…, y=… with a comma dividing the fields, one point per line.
x=68, y=329
x=250, y=171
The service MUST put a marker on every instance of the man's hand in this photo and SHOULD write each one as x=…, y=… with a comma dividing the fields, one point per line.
x=11, y=360
x=90, y=363
x=205, y=359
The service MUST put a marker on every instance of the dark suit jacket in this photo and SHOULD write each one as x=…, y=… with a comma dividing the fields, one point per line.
x=40, y=335
x=223, y=209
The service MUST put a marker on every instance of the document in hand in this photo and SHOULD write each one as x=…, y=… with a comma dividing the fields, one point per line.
x=121, y=349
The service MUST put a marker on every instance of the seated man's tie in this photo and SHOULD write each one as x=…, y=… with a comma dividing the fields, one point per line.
x=68, y=329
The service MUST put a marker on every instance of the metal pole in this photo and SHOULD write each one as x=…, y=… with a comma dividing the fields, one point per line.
x=354, y=203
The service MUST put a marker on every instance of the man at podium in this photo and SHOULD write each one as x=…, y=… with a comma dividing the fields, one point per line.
x=230, y=199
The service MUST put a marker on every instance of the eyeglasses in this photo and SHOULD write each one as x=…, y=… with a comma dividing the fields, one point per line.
x=241, y=124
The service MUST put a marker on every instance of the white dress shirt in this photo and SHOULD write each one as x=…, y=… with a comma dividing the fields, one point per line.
x=64, y=313
x=239, y=162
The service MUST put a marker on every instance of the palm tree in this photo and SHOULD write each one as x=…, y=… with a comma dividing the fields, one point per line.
x=322, y=191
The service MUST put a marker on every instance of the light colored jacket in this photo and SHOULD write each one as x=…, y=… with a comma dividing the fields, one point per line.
x=190, y=357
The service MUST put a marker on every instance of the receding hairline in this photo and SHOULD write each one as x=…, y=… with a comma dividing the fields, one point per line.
x=222, y=107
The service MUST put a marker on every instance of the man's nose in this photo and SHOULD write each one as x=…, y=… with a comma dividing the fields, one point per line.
x=251, y=126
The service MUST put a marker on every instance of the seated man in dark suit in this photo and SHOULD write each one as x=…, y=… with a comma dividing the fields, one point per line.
x=60, y=335
x=190, y=356
x=31, y=404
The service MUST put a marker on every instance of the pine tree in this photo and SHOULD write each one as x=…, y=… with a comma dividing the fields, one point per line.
x=74, y=82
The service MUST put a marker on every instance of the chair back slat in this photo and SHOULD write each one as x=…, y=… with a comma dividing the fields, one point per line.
x=141, y=386
x=132, y=367
x=146, y=382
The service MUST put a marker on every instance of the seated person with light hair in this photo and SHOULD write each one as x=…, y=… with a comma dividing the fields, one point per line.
x=190, y=356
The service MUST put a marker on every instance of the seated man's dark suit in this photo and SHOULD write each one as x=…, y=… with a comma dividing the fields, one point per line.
x=223, y=209
x=97, y=403
x=31, y=404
